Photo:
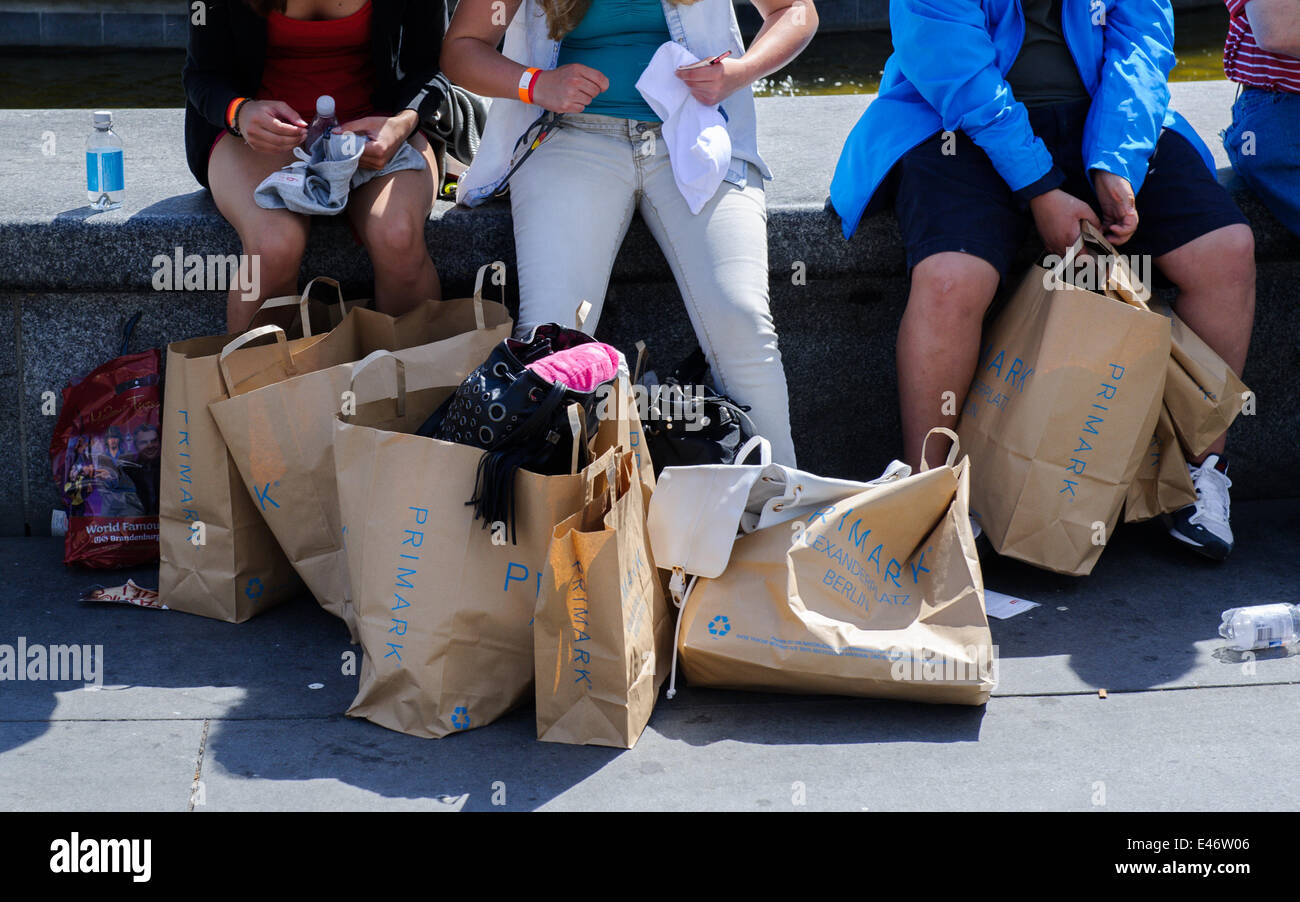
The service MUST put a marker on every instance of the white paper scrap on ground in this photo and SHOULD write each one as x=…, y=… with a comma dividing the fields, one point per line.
x=1003, y=606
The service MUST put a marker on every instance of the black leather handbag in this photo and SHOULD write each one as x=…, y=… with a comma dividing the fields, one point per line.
x=518, y=418
x=705, y=427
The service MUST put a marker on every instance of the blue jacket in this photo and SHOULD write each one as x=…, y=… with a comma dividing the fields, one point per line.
x=948, y=72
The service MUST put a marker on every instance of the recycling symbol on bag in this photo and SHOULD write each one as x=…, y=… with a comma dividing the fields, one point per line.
x=460, y=717
x=254, y=589
x=719, y=626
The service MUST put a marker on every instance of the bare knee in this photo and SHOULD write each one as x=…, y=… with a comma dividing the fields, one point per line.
x=395, y=242
x=1223, y=257
x=279, y=253
x=1235, y=249
x=953, y=288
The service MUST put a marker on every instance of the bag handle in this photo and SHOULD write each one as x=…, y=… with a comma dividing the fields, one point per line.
x=578, y=429
x=1119, y=289
x=399, y=375
x=306, y=296
x=611, y=479
x=764, y=450
x=288, y=300
x=301, y=301
x=1119, y=277
x=641, y=355
x=680, y=590
x=250, y=336
x=581, y=314
x=127, y=329
x=497, y=267
x=952, y=451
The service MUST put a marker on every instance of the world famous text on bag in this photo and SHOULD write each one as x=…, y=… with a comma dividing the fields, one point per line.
x=104, y=455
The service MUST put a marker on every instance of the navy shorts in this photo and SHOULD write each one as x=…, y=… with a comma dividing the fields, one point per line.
x=958, y=202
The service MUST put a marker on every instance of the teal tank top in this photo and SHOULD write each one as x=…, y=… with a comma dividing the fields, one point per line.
x=618, y=38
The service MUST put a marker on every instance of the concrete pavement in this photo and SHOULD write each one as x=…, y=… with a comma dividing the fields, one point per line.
x=1185, y=726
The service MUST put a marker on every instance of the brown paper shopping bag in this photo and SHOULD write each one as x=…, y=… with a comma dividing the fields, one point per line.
x=281, y=436
x=444, y=603
x=217, y=557
x=602, y=630
x=1202, y=392
x=1064, y=401
x=878, y=594
x=1162, y=483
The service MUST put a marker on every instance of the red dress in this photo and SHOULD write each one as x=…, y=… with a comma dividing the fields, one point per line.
x=308, y=58
x=305, y=59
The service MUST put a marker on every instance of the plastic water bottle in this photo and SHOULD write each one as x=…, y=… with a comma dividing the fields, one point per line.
x=324, y=122
x=1261, y=626
x=105, y=183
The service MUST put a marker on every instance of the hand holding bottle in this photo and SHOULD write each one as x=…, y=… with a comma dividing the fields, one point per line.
x=271, y=126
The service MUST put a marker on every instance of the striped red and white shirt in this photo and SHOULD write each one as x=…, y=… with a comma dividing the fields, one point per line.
x=1245, y=62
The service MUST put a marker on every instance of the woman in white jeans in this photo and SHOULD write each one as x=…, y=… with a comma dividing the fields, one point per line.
x=573, y=198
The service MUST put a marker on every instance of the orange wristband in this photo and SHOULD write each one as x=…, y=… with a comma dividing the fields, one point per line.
x=230, y=111
x=526, y=83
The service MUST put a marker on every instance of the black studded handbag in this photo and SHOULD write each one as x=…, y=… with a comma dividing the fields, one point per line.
x=518, y=418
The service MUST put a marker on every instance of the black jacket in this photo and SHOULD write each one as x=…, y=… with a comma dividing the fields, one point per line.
x=226, y=55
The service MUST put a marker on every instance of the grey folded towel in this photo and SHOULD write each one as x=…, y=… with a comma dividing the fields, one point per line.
x=317, y=183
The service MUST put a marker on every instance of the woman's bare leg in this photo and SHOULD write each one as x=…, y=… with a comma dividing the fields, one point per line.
x=278, y=238
x=389, y=214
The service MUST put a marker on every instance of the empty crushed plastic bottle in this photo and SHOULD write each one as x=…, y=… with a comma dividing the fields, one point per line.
x=1261, y=626
x=323, y=124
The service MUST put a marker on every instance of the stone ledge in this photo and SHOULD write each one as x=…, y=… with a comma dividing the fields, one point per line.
x=46, y=217
x=86, y=274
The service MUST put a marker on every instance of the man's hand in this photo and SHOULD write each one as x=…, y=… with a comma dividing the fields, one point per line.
x=569, y=88
x=711, y=85
x=1057, y=215
x=384, y=135
x=1118, y=207
x=271, y=126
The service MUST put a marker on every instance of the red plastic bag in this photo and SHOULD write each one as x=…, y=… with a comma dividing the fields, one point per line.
x=106, y=459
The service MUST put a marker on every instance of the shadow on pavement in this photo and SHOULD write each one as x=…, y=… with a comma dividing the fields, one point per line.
x=1131, y=625
x=701, y=717
x=1133, y=622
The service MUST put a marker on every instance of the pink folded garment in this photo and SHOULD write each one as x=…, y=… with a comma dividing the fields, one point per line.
x=581, y=367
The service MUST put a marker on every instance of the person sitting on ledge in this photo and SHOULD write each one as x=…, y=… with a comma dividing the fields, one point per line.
x=252, y=75
x=573, y=200
x=1262, y=54
x=997, y=114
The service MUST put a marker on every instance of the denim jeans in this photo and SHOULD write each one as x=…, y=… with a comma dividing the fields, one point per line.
x=1263, y=144
x=573, y=201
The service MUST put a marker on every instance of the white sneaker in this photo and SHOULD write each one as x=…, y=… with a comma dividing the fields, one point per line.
x=1204, y=525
